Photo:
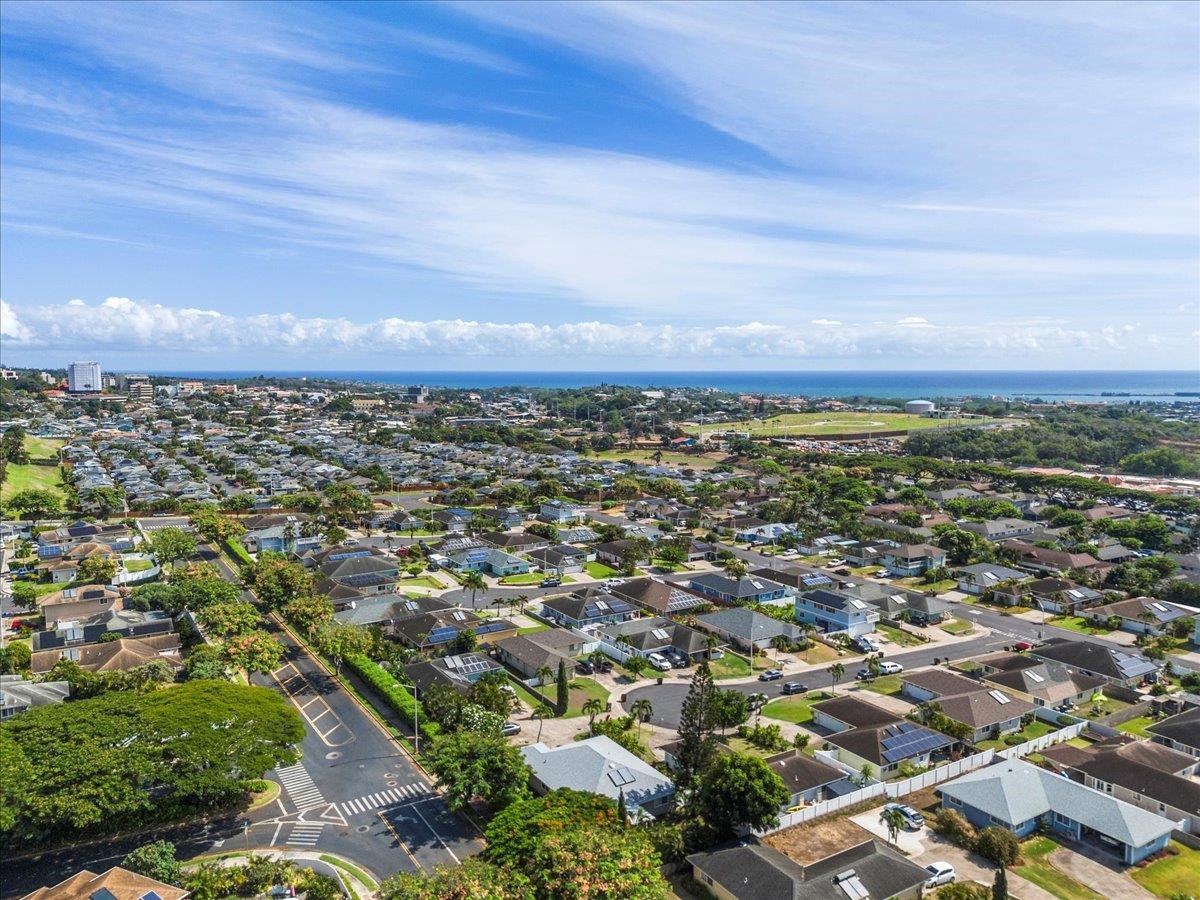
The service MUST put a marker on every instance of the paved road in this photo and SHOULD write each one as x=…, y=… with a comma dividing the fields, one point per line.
x=353, y=792
x=667, y=698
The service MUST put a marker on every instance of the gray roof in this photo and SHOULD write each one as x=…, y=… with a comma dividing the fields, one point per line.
x=1107, y=661
x=1015, y=791
x=748, y=624
x=598, y=765
x=746, y=586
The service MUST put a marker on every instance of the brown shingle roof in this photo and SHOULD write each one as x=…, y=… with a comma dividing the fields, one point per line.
x=121, y=883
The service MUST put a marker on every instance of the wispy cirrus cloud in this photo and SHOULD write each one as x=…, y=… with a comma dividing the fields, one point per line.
x=935, y=166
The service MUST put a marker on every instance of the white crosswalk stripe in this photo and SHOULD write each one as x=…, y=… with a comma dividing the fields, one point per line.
x=391, y=797
x=305, y=834
x=300, y=786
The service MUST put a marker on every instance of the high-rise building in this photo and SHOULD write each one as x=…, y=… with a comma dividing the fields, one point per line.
x=84, y=378
x=138, y=386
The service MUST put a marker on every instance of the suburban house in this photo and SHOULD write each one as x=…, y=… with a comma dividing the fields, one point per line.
x=1043, y=559
x=587, y=606
x=389, y=609
x=1150, y=776
x=500, y=518
x=1179, y=732
x=763, y=534
x=744, y=627
x=747, y=589
x=366, y=570
x=456, y=521
x=73, y=604
x=488, y=560
x=794, y=577
x=115, y=884
x=612, y=553
x=18, y=695
x=645, y=636
x=514, y=541
x=1003, y=529
x=1113, y=665
x=120, y=655
x=988, y=712
x=527, y=653
x=834, y=611
x=849, y=712
x=1052, y=595
x=883, y=749
x=1019, y=796
x=439, y=628
x=865, y=553
x=599, y=765
x=561, y=559
x=1142, y=615
x=808, y=780
x=57, y=541
x=1040, y=682
x=979, y=578
x=900, y=605
x=560, y=512
x=661, y=597
x=458, y=672
x=912, y=559
x=752, y=871
x=65, y=567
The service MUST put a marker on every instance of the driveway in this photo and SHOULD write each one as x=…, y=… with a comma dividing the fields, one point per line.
x=1098, y=874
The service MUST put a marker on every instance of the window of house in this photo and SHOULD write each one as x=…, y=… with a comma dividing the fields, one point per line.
x=1063, y=820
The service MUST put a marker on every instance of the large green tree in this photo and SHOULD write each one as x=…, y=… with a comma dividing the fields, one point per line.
x=170, y=545
x=228, y=618
x=472, y=765
x=697, y=722
x=739, y=789
x=473, y=879
x=156, y=860
x=254, y=651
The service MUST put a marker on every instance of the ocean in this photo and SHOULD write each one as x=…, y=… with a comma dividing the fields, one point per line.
x=1161, y=386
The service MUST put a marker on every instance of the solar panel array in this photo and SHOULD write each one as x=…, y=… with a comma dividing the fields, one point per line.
x=907, y=739
x=468, y=664
x=611, y=606
x=621, y=777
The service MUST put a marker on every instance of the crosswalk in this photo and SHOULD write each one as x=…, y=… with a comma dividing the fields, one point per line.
x=300, y=786
x=305, y=834
x=385, y=798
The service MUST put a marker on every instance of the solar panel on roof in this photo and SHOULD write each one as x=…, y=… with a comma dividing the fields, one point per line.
x=1159, y=607
x=999, y=697
x=990, y=576
x=621, y=777
x=851, y=886
x=150, y=895
x=451, y=662
x=858, y=604
x=661, y=633
x=1076, y=593
x=1036, y=677
x=602, y=605
x=458, y=615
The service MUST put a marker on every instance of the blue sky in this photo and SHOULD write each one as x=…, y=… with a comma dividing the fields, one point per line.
x=600, y=186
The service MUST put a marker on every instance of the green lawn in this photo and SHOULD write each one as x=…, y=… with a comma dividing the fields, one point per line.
x=957, y=626
x=865, y=571
x=741, y=745
x=420, y=581
x=582, y=690
x=42, y=448
x=884, y=684
x=1035, y=729
x=903, y=638
x=730, y=666
x=138, y=565
x=821, y=423
x=1077, y=624
x=533, y=629
x=646, y=457
x=1136, y=726
x=1037, y=868
x=1172, y=876
x=667, y=566
x=796, y=710
x=31, y=477
x=600, y=570
x=817, y=653
x=531, y=578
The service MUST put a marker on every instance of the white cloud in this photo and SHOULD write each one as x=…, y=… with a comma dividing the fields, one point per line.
x=122, y=324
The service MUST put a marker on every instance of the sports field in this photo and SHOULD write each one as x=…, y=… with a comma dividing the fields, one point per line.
x=818, y=424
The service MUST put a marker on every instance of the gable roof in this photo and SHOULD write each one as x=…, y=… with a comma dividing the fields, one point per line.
x=855, y=712
x=660, y=596
x=1183, y=728
x=1091, y=657
x=598, y=765
x=120, y=884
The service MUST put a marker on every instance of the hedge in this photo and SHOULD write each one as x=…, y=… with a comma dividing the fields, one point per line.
x=236, y=549
x=391, y=692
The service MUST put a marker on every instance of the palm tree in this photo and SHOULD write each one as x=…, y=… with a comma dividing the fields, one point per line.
x=874, y=666
x=710, y=644
x=473, y=582
x=642, y=710
x=836, y=671
x=544, y=675
x=636, y=665
x=520, y=600
x=735, y=568
x=541, y=712
x=893, y=819
x=592, y=708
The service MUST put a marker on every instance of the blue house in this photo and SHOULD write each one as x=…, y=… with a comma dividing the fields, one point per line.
x=833, y=611
x=488, y=560
x=747, y=589
x=1019, y=796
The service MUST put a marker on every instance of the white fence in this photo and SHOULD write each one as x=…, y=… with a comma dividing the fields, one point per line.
x=135, y=577
x=896, y=789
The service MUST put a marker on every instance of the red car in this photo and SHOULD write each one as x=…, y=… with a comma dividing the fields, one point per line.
x=1022, y=646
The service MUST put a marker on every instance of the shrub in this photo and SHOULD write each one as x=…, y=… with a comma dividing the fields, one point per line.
x=998, y=845
x=954, y=827
x=1065, y=721
x=391, y=692
x=1012, y=739
x=963, y=890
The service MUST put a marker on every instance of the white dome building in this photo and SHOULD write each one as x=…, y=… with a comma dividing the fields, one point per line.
x=920, y=407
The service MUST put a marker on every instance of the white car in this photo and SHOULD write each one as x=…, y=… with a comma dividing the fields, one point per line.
x=891, y=668
x=613, y=582
x=659, y=662
x=939, y=873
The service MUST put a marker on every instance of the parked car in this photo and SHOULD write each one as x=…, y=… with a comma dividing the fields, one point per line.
x=867, y=645
x=659, y=662
x=863, y=675
x=606, y=666
x=912, y=818
x=585, y=666
x=550, y=582
x=891, y=668
x=510, y=728
x=794, y=687
x=1022, y=646
x=939, y=873
x=351, y=542
x=613, y=582
x=771, y=675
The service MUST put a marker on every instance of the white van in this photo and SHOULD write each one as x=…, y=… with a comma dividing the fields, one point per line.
x=658, y=661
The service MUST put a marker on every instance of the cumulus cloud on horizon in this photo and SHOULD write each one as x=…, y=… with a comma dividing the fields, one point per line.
x=123, y=324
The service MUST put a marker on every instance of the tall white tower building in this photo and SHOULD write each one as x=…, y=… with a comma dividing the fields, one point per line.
x=83, y=377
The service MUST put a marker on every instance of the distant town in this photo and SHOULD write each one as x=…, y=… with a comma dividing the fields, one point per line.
x=405, y=641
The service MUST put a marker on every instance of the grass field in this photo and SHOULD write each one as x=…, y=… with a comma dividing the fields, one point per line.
x=884, y=684
x=1077, y=624
x=729, y=666
x=819, y=424
x=30, y=477
x=600, y=570
x=1136, y=726
x=1034, y=729
x=796, y=710
x=646, y=457
x=531, y=578
x=582, y=690
x=957, y=626
x=1037, y=868
x=896, y=636
x=1172, y=876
